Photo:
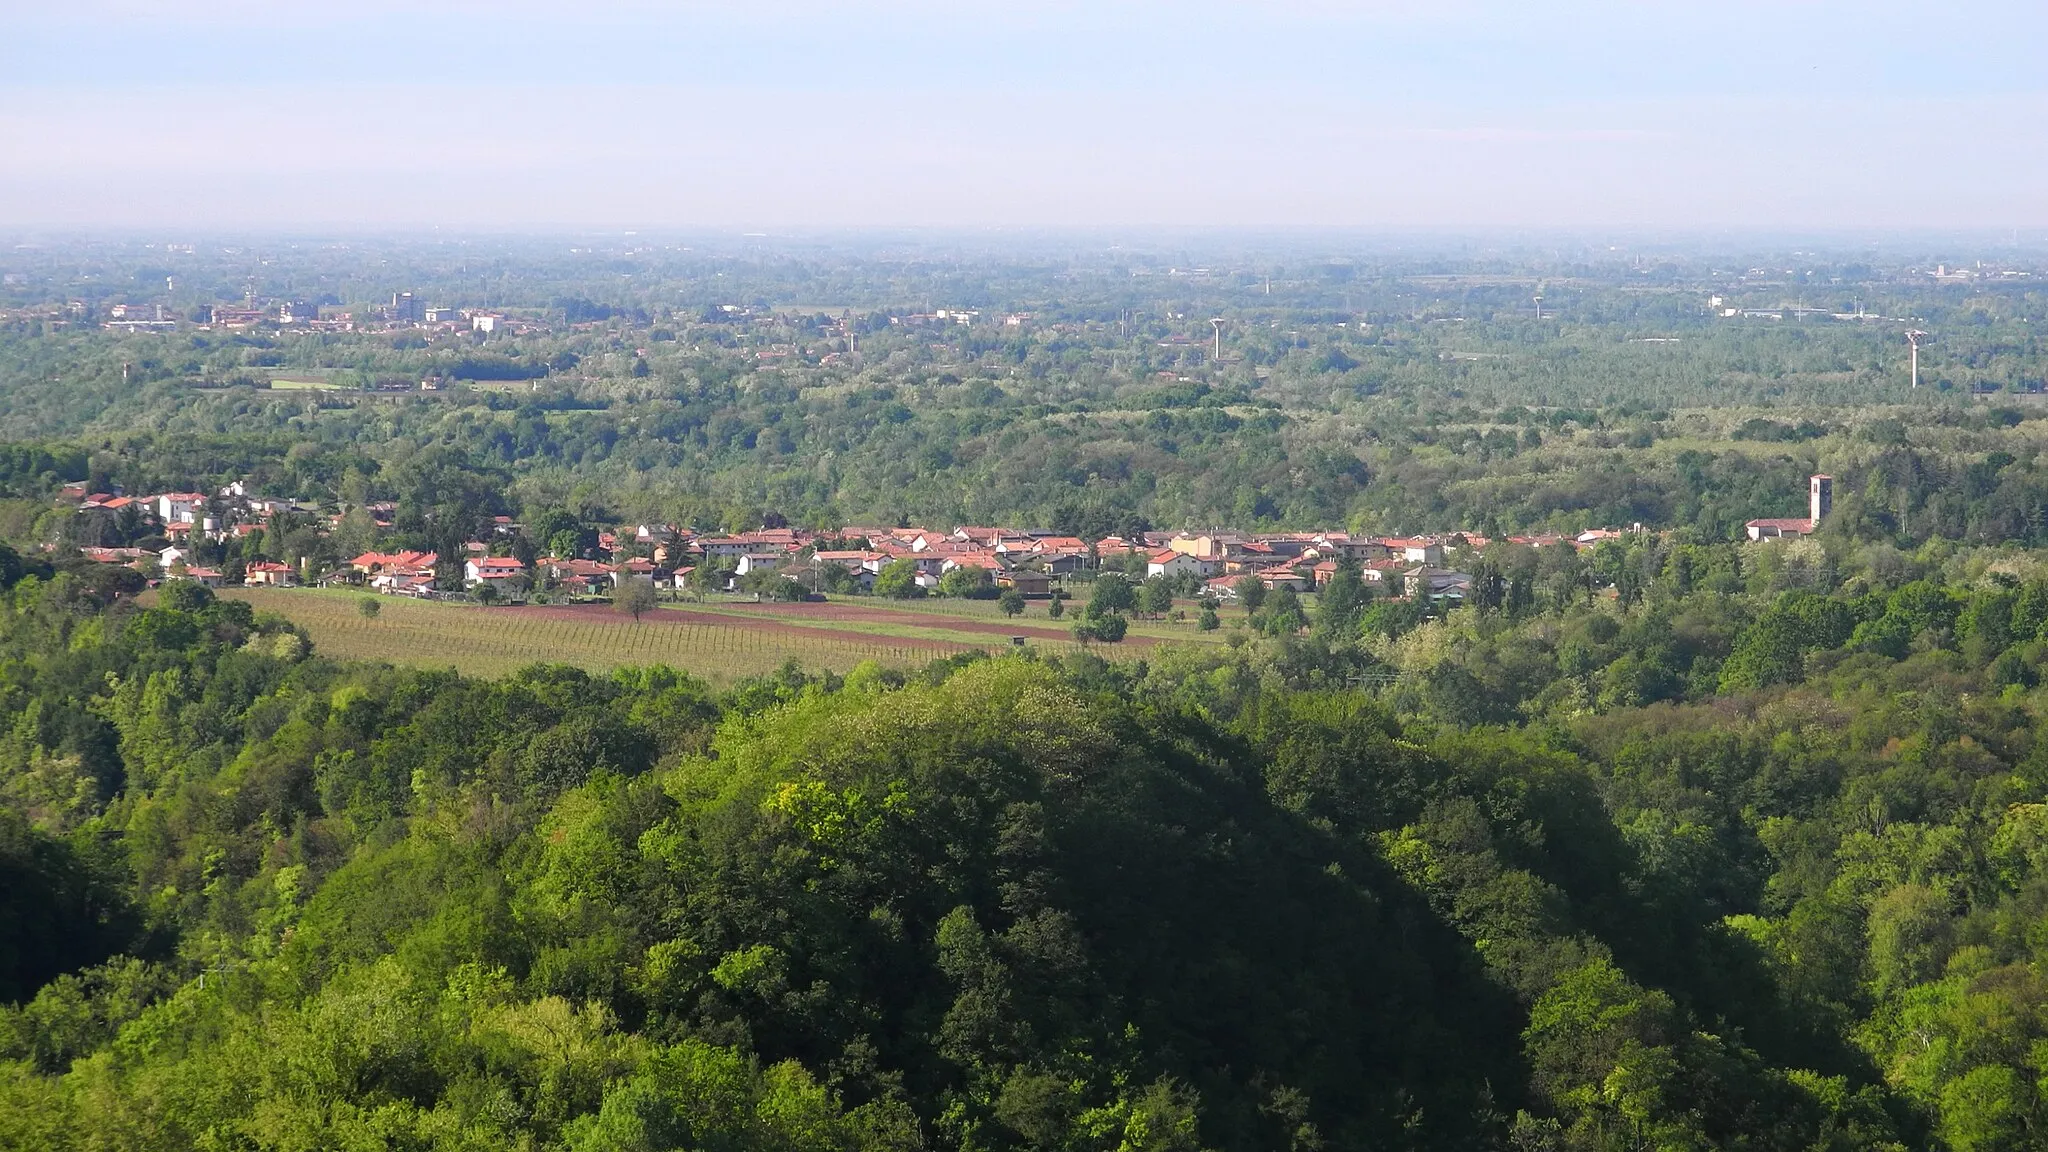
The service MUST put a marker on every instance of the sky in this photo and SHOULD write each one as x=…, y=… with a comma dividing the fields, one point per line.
x=1392, y=114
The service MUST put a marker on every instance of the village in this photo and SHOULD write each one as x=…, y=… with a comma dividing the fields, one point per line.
x=189, y=530
x=784, y=562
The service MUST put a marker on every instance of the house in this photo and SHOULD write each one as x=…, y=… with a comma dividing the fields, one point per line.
x=631, y=568
x=403, y=583
x=759, y=562
x=499, y=572
x=1288, y=545
x=180, y=507
x=1249, y=556
x=864, y=560
x=578, y=577
x=266, y=573
x=744, y=543
x=1200, y=547
x=1172, y=562
x=1029, y=583
x=1062, y=563
x=986, y=561
x=1352, y=547
x=1387, y=571
x=1280, y=576
x=1424, y=580
x=166, y=557
x=114, y=555
x=862, y=565
x=1415, y=550
x=370, y=563
x=210, y=577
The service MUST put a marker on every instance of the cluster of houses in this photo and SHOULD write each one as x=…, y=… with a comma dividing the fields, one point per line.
x=1032, y=562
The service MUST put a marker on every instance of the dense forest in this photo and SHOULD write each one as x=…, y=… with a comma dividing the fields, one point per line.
x=1673, y=841
x=1732, y=860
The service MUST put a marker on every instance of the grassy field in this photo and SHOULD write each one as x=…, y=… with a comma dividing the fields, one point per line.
x=719, y=641
x=302, y=379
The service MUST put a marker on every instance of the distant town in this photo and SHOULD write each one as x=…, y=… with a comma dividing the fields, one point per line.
x=199, y=526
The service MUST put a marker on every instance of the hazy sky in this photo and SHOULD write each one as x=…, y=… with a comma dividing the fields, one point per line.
x=1450, y=113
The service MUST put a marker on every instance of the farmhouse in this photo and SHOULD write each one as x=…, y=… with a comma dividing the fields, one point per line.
x=265, y=573
x=500, y=572
x=1170, y=562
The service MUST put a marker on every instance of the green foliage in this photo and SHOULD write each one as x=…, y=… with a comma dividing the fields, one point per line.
x=968, y=583
x=1251, y=592
x=1112, y=594
x=635, y=596
x=898, y=581
x=1739, y=879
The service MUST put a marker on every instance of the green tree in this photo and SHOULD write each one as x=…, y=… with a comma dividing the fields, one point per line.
x=1112, y=594
x=1283, y=615
x=1251, y=592
x=1341, y=602
x=1011, y=602
x=634, y=596
x=898, y=581
x=967, y=583
x=1155, y=596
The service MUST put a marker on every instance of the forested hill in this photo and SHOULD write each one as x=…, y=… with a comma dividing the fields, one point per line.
x=257, y=899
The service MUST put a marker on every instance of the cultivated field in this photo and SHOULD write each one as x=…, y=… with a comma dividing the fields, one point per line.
x=719, y=641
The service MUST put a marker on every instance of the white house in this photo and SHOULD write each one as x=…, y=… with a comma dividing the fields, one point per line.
x=1170, y=562
x=497, y=571
x=180, y=507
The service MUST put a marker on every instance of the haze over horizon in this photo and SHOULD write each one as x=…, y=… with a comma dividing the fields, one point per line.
x=1474, y=114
